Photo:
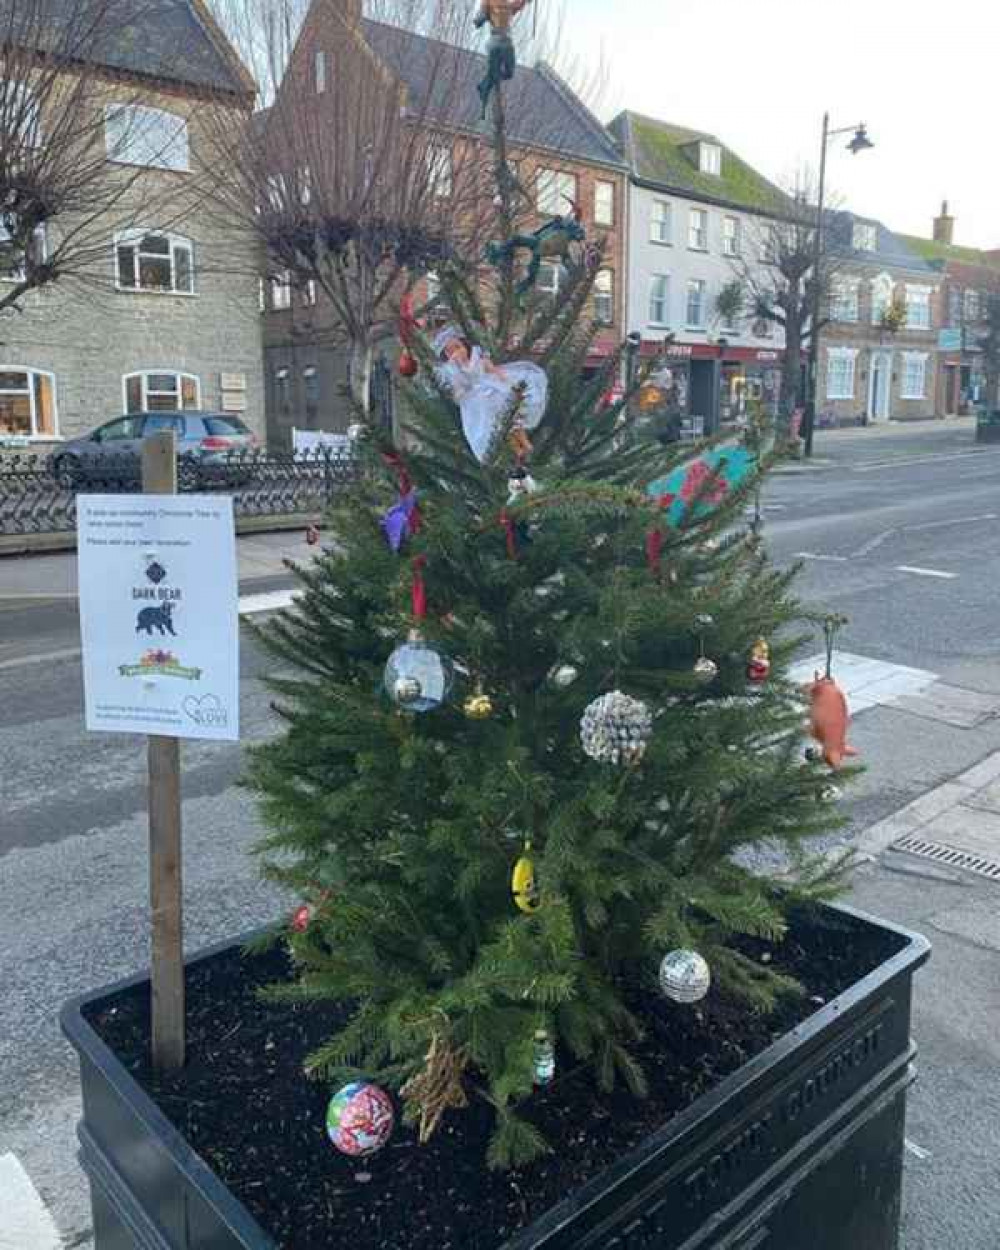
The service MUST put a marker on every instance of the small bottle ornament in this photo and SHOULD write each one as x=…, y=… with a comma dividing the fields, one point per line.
x=705, y=669
x=616, y=729
x=418, y=676
x=685, y=976
x=543, y=1059
x=759, y=668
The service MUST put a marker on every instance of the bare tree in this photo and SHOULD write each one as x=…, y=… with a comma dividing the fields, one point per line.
x=776, y=271
x=353, y=185
x=61, y=197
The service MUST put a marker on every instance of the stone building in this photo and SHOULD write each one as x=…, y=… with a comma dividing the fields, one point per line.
x=165, y=315
x=970, y=279
x=695, y=208
x=878, y=348
x=562, y=156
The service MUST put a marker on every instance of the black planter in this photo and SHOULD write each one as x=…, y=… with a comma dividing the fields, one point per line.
x=801, y=1147
x=988, y=427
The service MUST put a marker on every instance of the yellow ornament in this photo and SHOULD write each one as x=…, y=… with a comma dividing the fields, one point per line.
x=478, y=706
x=523, y=885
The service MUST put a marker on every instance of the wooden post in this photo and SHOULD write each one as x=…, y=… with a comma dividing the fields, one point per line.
x=159, y=477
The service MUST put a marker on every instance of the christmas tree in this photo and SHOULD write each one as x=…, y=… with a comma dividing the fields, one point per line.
x=533, y=724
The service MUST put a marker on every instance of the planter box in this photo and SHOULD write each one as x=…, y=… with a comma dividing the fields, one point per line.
x=802, y=1146
x=988, y=428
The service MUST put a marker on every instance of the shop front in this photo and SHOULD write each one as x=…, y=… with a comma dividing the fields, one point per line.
x=698, y=388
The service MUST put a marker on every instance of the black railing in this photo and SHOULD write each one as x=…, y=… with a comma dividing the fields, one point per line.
x=38, y=492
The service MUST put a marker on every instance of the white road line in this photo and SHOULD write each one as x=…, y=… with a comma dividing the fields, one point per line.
x=872, y=543
x=25, y=1222
x=872, y=466
x=911, y=568
x=918, y=1152
x=47, y=657
x=958, y=520
x=812, y=555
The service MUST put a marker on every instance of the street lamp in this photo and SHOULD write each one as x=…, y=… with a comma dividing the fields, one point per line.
x=859, y=143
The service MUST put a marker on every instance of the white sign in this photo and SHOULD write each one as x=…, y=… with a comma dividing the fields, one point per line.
x=159, y=614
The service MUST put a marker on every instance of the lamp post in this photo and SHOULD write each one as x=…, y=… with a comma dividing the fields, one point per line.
x=859, y=143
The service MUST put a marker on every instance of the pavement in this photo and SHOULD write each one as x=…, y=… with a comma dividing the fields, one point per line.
x=898, y=528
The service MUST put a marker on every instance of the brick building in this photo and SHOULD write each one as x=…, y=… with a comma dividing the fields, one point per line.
x=561, y=155
x=970, y=278
x=878, y=350
x=695, y=208
x=166, y=316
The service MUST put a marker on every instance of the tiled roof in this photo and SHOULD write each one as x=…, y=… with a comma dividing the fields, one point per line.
x=665, y=156
x=542, y=110
x=164, y=39
x=891, y=250
x=940, y=254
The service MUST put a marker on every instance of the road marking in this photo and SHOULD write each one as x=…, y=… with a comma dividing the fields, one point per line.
x=46, y=657
x=812, y=555
x=271, y=601
x=919, y=572
x=918, y=1152
x=25, y=1222
x=875, y=542
x=871, y=466
x=16, y=596
x=959, y=520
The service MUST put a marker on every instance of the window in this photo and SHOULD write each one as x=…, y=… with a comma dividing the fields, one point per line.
x=604, y=204
x=844, y=299
x=659, y=222
x=118, y=431
x=710, y=158
x=556, y=192
x=550, y=276
x=283, y=392
x=152, y=425
x=914, y=375
x=864, y=237
x=695, y=303
x=954, y=307
x=28, y=403
x=281, y=290
x=918, y=307
x=762, y=328
x=161, y=392
x=698, y=230
x=319, y=71
x=770, y=246
x=439, y=170
x=840, y=362
x=604, y=297
x=136, y=135
x=309, y=293
x=13, y=260
x=882, y=289
x=21, y=117
x=310, y=387
x=151, y=261
x=731, y=236
x=970, y=305
x=659, y=300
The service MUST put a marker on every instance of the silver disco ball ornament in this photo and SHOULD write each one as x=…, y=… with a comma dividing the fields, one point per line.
x=616, y=729
x=685, y=976
x=705, y=670
x=418, y=676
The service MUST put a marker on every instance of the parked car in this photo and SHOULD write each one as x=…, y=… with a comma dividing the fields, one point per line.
x=208, y=448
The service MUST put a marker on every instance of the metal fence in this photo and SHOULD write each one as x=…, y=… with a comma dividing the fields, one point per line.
x=38, y=491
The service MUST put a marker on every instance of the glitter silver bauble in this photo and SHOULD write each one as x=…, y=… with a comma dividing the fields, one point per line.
x=616, y=729
x=705, y=670
x=418, y=676
x=685, y=976
x=565, y=675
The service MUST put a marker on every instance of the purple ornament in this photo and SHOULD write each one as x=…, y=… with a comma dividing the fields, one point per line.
x=398, y=521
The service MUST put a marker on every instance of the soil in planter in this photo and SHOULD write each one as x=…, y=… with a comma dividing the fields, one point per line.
x=244, y=1105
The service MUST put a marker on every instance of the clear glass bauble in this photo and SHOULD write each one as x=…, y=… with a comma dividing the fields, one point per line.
x=418, y=675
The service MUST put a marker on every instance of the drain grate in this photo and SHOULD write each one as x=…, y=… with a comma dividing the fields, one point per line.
x=950, y=856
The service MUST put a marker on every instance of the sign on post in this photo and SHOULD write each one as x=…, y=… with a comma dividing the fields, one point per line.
x=160, y=634
x=159, y=614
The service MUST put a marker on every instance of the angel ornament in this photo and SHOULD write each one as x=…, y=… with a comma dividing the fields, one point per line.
x=484, y=391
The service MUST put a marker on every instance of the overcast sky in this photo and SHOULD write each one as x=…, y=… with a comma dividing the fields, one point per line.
x=923, y=76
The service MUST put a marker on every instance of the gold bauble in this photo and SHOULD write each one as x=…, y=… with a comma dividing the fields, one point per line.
x=478, y=706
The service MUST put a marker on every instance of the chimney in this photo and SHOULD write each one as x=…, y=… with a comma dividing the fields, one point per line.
x=944, y=226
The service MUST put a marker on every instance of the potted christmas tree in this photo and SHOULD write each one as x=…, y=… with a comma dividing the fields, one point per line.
x=537, y=721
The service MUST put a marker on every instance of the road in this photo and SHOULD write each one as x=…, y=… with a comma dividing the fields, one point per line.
x=900, y=531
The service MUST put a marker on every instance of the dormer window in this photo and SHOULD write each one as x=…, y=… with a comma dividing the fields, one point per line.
x=864, y=237
x=710, y=158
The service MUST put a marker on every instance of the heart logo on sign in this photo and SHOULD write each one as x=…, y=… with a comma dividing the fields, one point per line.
x=205, y=711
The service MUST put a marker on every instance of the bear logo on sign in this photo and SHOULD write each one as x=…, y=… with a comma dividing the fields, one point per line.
x=156, y=618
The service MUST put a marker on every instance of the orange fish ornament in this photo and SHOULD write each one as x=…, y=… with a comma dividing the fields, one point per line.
x=828, y=720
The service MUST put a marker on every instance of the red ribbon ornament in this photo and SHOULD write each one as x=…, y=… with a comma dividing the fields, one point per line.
x=508, y=524
x=419, y=590
x=654, y=550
